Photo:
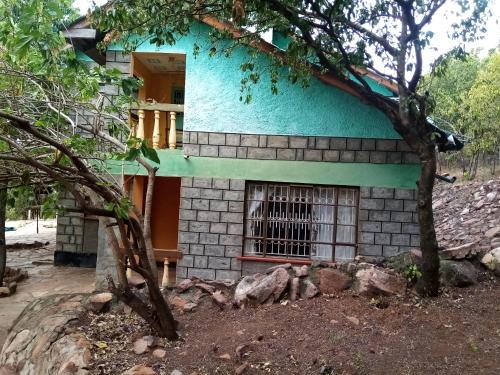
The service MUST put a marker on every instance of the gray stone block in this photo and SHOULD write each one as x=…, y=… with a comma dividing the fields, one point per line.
x=184, y=248
x=338, y=144
x=187, y=214
x=186, y=182
x=368, y=144
x=299, y=155
x=202, y=138
x=365, y=192
x=261, y=153
x=62, y=220
x=415, y=240
x=404, y=193
x=183, y=225
x=227, y=151
x=233, y=251
x=236, y=264
x=201, y=273
x=353, y=144
x=347, y=156
x=231, y=239
x=241, y=153
x=217, y=205
x=220, y=263
x=202, y=182
x=121, y=66
x=410, y=158
x=195, y=249
x=362, y=157
x=249, y=140
x=219, y=183
x=236, y=206
x=200, y=204
x=209, y=238
x=227, y=275
x=380, y=215
x=122, y=57
x=403, y=146
x=232, y=139
x=363, y=214
x=230, y=195
x=193, y=137
x=70, y=247
x=404, y=217
x=208, y=216
x=391, y=227
x=199, y=226
x=367, y=238
x=390, y=251
x=394, y=157
x=231, y=217
x=370, y=250
x=200, y=261
x=185, y=139
x=208, y=150
x=394, y=204
x=237, y=184
x=278, y=141
x=189, y=237
x=312, y=155
x=285, y=154
x=400, y=239
x=331, y=155
x=311, y=143
x=298, y=142
x=235, y=229
x=78, y=231
x=262, y=140
x=386, y=145
x=185, y=203
x=180, y=272
x=410, y=205
x=371, y=204
x=187, y=192
x=186, y=261
x=371, y=226
x=411, y=228
x=211, y=194
x=214, y=250
x=378, y=157
x=216, y=138
x=218, y=228
x=322, y=143
x=382, y=238
x=110, y=56
x=380, y=192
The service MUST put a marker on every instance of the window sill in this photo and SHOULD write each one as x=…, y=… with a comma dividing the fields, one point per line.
x=274, y=260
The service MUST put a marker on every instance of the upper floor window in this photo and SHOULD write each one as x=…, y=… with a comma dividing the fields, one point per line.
x=301, y=221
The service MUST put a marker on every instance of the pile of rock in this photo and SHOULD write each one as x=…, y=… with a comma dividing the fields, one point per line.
x=189, y=293
x=11, y=278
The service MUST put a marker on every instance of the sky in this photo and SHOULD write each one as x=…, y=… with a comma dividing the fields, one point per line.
x=440, y=26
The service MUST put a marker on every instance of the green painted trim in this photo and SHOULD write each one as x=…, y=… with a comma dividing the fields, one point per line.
x=174, y=164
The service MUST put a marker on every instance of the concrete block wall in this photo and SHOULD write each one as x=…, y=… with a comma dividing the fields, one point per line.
x=284, y=147
x=211, y=228
x=388, y=221
x=70, y=225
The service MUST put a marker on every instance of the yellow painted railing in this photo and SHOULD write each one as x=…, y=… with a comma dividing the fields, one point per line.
x=171, y=111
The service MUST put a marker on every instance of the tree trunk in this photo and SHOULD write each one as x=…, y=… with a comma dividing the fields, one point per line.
x=117, y=255
x=148, y=207
x=3, y=245
x=428, y=285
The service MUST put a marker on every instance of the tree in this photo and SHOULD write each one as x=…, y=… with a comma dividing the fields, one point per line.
x=337, y=40
x=44, y=90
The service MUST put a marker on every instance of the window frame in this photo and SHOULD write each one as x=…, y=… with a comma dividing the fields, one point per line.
x=298, y=258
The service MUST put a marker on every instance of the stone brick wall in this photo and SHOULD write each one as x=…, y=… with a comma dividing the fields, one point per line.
x=211, y=228
x=283, y=147
x=69, y=237
x=388, y=222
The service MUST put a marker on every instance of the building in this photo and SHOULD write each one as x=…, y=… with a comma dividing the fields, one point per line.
x=306, y=174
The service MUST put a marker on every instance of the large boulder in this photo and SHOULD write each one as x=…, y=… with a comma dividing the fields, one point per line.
x=465, y=251
x=374, y=281
x=244, y=286
x=459, y=274
x=38, y=343
x=491, y=260
x=332, y=281
x=270, y=287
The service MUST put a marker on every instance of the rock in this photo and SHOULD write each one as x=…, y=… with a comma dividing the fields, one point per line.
x=4, y=291
x=241, y=350
x=38, y=342
x=12, y=287
x=190, y=306
x=460, y=274
x=140, y=370
x=493, y=232
x=177, y=372
x=184, y=285
x=244, y=286
x=206, y=288
x=136, y=281
x=491, y=196
x=225, y=357
x=178, y=302
x=301, y=271
x=142, y=345
x=402, y=261
x=285, y=266
x=308, y=289
x=219, y=298
x=492, y=260
x=353, y=320
x=272, y=285
x=241, y=368
x=468, y=250
x=374, y=281
x=101, y=302
x=294, y=288
x=160, y=353
x=332, y=281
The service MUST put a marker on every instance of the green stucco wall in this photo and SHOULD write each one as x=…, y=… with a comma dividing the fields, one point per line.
x=174, y=164
x=213, y=89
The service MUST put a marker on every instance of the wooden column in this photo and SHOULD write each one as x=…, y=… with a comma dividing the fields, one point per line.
x=172, y=133
x=140, y=125
x=156, y=130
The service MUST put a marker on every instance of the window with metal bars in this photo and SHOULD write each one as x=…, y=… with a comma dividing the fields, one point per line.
x=301, y=221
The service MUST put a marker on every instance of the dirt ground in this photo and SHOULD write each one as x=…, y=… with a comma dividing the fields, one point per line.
x=457, y=333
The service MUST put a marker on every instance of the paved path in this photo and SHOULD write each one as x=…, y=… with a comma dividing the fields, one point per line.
x=44, y=279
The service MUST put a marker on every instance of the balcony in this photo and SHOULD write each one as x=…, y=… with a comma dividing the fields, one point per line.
x=160, y=123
